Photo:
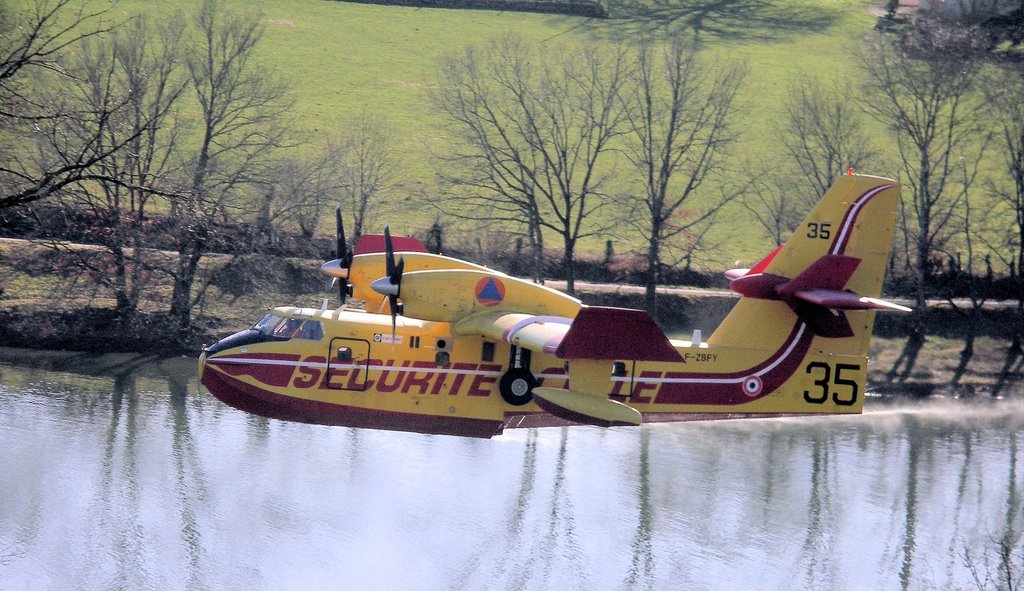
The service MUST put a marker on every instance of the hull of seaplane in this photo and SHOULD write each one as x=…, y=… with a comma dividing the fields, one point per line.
x=390, y=382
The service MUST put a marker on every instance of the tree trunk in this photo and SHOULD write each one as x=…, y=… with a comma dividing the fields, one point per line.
x=184, y=278
x=569, y=266
x=536, y=237
x=1018, y=328
x=968, y=351
x=124, y=308
x=651, y=278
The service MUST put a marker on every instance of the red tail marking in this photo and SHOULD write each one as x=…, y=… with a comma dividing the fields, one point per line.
x=761, y=266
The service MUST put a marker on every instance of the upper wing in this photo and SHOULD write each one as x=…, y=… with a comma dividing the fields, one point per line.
x=542, y=334
x=595, y=333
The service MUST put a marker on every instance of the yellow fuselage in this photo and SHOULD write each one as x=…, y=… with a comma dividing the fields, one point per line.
x=426, y=378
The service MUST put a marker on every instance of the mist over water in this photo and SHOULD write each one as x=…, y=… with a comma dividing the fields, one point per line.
x=125, y=474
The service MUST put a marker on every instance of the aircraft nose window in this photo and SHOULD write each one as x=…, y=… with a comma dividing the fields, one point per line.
x=279, y=327
x=267, y=324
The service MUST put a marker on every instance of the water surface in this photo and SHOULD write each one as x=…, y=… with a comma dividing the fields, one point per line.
x=123, y=473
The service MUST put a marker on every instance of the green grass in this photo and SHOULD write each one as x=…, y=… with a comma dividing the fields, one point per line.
x=342, y=58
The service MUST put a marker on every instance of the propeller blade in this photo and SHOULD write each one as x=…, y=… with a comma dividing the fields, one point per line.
x=341, y=249
x=391, y=285
x=393, y=304
x=389, y=253
x=396, y=281
x=342, y=252
x=396, y=276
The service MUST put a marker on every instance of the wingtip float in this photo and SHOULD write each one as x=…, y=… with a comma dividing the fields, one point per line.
x=446, y=346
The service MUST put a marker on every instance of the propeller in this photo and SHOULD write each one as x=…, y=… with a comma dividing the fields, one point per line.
x=391, y=284
x=338, y=268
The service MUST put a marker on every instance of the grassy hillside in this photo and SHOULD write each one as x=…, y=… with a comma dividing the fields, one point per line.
x=342, y=58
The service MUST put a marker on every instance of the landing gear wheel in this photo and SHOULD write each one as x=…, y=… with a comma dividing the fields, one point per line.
x=516, y=386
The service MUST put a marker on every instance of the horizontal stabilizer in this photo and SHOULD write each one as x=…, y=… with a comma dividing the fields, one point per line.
x=845, y=300
x=615, y=333
x=734, y=274
x=831, y=271
x=585, y=408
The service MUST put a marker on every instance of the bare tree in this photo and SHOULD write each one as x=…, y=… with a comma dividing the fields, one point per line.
x=677, y=116
x=295, y=193
x=34, y=42
x=137, y=71
x=241, y=120
x=973, y=218
x=1003, y=94
x=367, y=166
x=491, y=166
x=536, y=129
x=824, y=135
x=929, y=106
x=773, y=203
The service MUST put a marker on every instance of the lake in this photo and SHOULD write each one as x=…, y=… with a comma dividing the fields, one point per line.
x=120, y=472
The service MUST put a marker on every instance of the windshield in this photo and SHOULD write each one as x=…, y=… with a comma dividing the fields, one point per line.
x=267, y=324
x=289, y=328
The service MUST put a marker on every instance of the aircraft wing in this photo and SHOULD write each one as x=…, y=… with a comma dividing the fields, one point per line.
x=596, y=333
x=542, y=334
x=594, y=336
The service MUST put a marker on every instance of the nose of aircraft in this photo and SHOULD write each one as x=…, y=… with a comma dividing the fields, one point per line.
x=202, y=364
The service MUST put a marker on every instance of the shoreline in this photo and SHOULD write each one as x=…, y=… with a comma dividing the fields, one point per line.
x=182, y=369
x=93, y=332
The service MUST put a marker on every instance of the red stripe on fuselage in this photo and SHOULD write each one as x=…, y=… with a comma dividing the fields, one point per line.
x=727, y=388
x=252, y=399
x=262, y=367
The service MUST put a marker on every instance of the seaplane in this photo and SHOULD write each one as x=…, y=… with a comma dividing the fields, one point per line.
x=433, y=344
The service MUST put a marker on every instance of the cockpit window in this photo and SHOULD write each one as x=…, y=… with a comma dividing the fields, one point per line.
x=267, y=324
x=289, y=328
x=311, y=329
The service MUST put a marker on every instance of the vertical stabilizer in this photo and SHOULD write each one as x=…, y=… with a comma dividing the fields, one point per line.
x=838, y=253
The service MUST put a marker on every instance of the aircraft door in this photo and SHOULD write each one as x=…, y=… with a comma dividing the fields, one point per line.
x=348, y=364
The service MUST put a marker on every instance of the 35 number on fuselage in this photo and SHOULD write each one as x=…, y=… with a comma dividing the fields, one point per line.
x=821, y=231
x=829, y=384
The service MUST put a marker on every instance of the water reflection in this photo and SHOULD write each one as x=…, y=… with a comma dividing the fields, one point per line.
x=120, y=473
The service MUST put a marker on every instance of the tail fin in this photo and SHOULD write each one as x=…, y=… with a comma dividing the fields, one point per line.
x=828, y=274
